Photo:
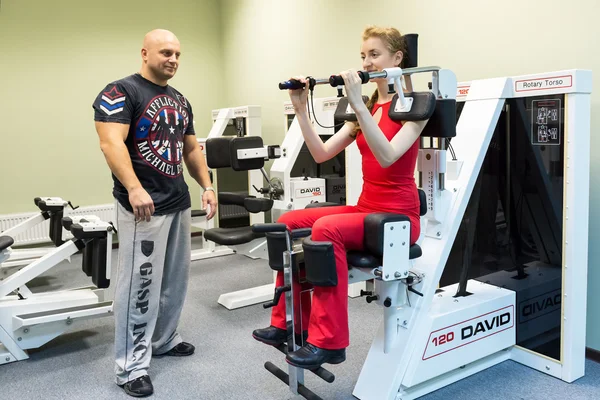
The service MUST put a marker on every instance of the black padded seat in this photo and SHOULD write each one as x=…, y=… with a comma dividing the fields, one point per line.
x=6, y=242
x=361, y=259
x=232, y=236
x=198, y=213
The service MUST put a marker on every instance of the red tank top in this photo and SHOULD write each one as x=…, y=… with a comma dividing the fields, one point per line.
x=391, y=189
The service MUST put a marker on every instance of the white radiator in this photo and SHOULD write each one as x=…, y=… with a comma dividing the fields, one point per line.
x=40, y=233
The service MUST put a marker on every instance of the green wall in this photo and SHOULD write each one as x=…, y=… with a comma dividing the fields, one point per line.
x=56, y=56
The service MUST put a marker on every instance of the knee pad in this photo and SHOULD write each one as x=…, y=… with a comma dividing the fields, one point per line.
x=276, y=245
x=319, y=262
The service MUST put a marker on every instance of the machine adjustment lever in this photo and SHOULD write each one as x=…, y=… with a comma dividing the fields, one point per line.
x=266, y=190
x=372, y=298
x=279, y=290
x=409, y=282
x=387, y=302
x=365, y=293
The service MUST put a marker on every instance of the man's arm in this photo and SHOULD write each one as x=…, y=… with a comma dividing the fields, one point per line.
x=112, y=143
x=196, y=165
x=195, y=161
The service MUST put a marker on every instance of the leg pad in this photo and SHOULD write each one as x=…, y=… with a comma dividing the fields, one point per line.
x=319, y=263
x=276, y=245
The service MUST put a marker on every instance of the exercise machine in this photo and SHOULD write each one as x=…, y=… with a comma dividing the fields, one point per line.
x=238, y=210
x=322, y=183
x=51, y=208
x=300, y=179
x=28, y=320
x=430, y=336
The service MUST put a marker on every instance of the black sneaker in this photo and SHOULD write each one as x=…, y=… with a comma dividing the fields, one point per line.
x=140, y=387
x=311, y=357
x=276, y=336
x=271, y=335
x=181, y=350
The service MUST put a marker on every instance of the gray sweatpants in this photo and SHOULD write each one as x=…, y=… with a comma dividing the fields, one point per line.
x=154, y=262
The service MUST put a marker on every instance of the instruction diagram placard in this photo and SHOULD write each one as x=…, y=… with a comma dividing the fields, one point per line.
x=546, y=127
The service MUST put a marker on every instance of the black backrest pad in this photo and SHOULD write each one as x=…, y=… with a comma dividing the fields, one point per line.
x=246, y=142
x=217, y=152
x=442, y=124
x=411, y=42
x=423, y=107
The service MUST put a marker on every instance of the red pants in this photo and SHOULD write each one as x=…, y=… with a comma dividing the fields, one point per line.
x=327, y=320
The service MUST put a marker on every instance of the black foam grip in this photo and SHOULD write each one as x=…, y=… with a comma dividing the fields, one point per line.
x=411, y=42
x=99, y=263
x=291, y=85
x=337, y=80
x=374, y=224
x=319, y=262
x=217, y=152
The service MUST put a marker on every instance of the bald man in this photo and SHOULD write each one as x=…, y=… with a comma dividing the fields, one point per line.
x=146, y=130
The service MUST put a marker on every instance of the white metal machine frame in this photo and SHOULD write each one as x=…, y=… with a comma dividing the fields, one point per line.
x=27, y=320
x=12, y=258
x=425, y=343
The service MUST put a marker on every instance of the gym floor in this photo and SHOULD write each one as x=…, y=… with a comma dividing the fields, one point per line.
x=228, y=363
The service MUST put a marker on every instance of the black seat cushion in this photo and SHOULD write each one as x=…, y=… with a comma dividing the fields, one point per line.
x=361, y=259
x=230, y=198
x=6, y=242
x=198, y=213
x=257, y=204
x=231, y=236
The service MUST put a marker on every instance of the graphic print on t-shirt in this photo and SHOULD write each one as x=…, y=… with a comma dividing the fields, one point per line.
x=159, y=135
x=112, y=101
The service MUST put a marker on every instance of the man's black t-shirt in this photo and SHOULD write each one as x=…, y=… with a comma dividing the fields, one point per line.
x=158, y=118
